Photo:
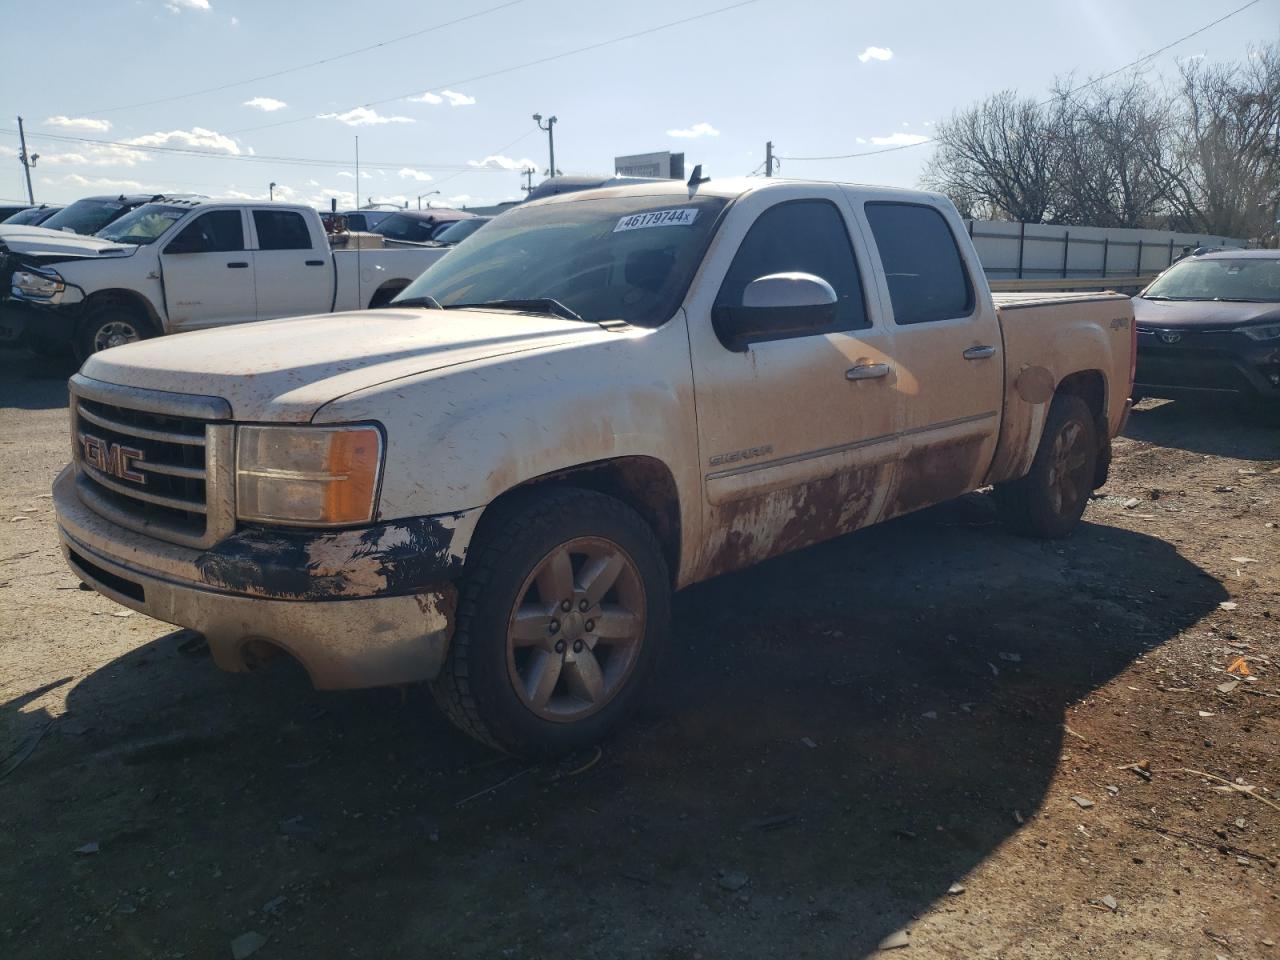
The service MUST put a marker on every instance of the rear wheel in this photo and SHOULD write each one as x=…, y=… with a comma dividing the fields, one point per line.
x=562, y=611
x=110, y=325
x=1049, y=501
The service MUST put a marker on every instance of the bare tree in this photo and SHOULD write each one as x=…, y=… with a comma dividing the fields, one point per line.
x=1115, y=150
x=1227, y=176
x=999, y=157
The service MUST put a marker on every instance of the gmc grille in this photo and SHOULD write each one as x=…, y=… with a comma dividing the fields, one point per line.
x=145, y=462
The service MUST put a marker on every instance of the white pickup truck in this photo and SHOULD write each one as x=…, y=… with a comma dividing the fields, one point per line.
x=177, y=265
x=495, y=483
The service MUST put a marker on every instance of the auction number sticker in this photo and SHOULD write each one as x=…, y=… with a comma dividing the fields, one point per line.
x=677, y=217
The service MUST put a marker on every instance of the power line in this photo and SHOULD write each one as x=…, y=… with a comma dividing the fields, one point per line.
x=252, y=158
x=305, y=66
x=518, y=66
x=1073, y=90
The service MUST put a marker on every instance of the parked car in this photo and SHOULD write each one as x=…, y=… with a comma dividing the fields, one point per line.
x=32, y=216
x=1210, y=326
x=185, y=265
x=89, y=214
x=366, y=219
x=450, y=234
x=7, y=210
x=418, y=226
x=495, y=483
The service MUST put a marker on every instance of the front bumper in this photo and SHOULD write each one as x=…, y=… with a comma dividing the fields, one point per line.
x=1206, y=362
x=49, y=322
x=378, y=615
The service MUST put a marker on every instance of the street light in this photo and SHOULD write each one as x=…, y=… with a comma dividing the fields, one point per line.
x=551, y=139
x=271, y=190
x=429, y=193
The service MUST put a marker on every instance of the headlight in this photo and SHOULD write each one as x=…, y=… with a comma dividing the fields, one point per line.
x=43, y=284
x=308, y=476
x=1270, y=332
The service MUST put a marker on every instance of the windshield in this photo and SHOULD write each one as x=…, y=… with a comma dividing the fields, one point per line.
x=85, y=216
x=31, y=217
x=147, y=224
x=458, y=230
x=1250, y=279
x=618, y=258
x=398, y=226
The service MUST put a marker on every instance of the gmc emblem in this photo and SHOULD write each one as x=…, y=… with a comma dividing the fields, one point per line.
x=112, y=458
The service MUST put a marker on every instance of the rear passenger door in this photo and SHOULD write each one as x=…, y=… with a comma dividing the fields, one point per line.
x=293, y=276
x=948, y=349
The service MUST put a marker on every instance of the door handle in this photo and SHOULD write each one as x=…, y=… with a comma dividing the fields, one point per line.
x=315, y=263
x=867, y=371
x=237, y=265
x=979, y=353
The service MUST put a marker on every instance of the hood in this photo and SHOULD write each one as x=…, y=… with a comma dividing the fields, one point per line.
x=52, y=246
x=285, y=370
x=1202, y=314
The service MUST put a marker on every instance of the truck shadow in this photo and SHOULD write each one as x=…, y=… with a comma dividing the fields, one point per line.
x=31, y=382
x=1218, y=428
x=836, y=737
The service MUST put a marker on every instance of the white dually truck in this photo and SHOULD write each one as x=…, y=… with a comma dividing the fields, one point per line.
x=178, y=265
x=495, y=483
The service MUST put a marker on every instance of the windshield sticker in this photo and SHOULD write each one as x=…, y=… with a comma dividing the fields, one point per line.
x=678, y=217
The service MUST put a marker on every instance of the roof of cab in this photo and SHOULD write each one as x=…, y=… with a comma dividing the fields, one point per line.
x=727, y=187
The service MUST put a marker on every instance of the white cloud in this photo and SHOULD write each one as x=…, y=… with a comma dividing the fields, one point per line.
x=97, y=155
x=498, y=162
x=899, y=140
x=109, y=183
x=313, y=183
x=78, y=123
x=457, y=99
x=408, y=173
x=363, y=117
x=875, y=53
x=235, y=21
x=427, y=97
x=177, y=6
x=860, y=139
x=195, y=137
x=346, y=173
x=266, y=104
x=697, y=130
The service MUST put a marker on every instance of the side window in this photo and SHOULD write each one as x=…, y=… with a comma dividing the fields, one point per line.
x=281, y=230
x=219, y=231
x=927, y=278
x=356, y=221
x=807, y=236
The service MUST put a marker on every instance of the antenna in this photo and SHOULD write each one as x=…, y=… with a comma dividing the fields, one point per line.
x=359, y=241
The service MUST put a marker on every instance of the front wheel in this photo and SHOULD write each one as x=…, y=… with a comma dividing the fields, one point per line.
x=110, y=325
x=562, y=610
x=1049, y=501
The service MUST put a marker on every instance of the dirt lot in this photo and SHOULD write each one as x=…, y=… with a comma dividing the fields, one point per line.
x=838, y=737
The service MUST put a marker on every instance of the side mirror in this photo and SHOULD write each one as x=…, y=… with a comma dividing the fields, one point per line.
x=778, y=305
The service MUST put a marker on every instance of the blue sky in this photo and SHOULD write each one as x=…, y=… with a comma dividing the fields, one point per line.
x=818, y=77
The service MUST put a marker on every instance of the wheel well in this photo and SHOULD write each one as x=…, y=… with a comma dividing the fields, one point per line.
x=127, y=299
x=643, y=483
x=1091, y=387
x=384, y=294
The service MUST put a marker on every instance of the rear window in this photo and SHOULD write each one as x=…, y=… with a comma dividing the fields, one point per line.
x=281, y=230
x=926, y=276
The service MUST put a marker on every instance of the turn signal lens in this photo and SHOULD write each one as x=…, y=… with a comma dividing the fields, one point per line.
x=308, y=476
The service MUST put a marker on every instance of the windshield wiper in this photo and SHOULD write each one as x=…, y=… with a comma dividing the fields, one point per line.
x=535, y=305
x=1159, y=297
x=429, y=302
x=1240, y=300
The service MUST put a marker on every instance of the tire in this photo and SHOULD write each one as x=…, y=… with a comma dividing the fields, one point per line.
x=1049, y=501
x=510, y=594
x=110, y=325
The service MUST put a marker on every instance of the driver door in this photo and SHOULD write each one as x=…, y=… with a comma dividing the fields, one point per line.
x=208, y=274
x=798, y=432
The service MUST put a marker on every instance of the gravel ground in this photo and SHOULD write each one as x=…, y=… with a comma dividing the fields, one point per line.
x=838, y=737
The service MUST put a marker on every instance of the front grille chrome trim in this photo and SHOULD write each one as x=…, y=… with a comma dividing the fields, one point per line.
x=173, y=503
x=147, y=433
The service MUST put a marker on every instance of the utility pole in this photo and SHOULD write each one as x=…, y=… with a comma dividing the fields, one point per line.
x=271, y=190
x=29, y=160
x=551, y=139
x=768, y=159
x=528, y=179
x=431, y=193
